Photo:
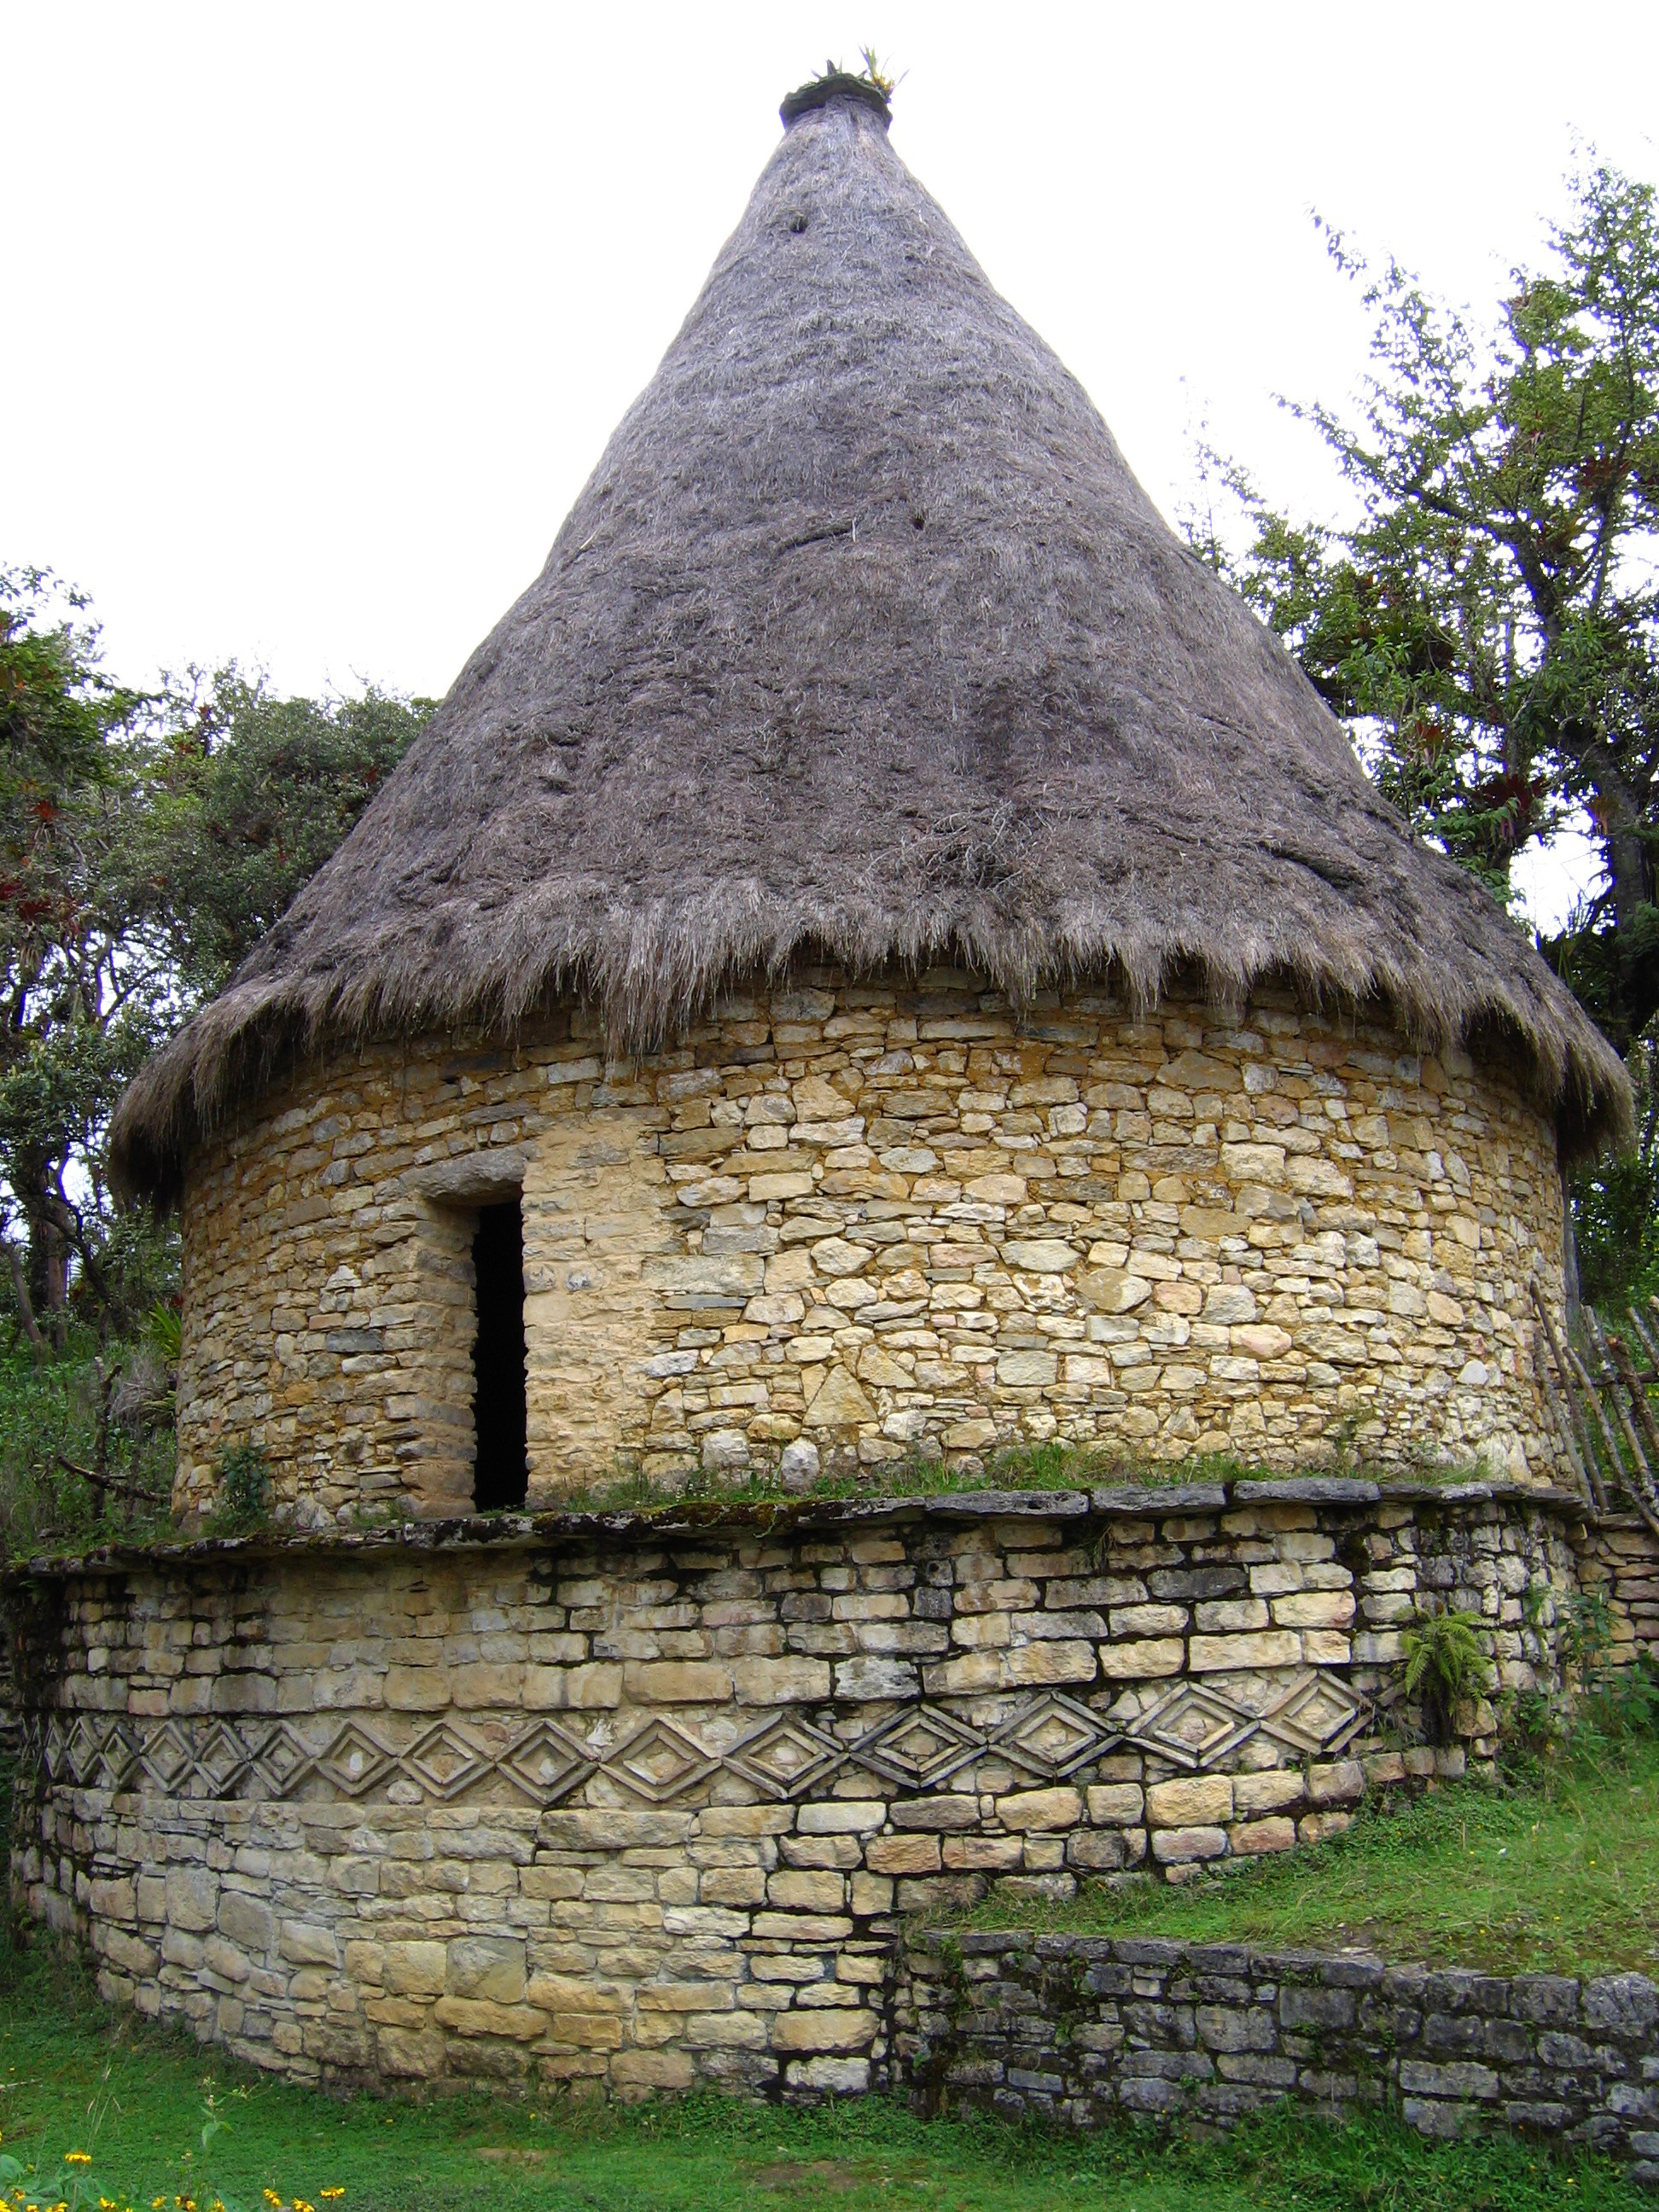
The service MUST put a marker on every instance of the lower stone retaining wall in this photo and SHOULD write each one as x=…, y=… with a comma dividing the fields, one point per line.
x=1619, y=1558
x=644, y=1801
x=1082, y=2030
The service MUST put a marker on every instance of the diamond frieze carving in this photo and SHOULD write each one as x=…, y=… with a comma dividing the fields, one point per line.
x=786, y=1756
x=1191, y=1725
x=168, y=1758
x=546, y=1764
x=920, y=1748
x=446, y=1761
x=355, y=1762
x=658, y=1762
x=280, y=1761
x=1321, y=1714
x=1195, y=1726
x=1055, y=1736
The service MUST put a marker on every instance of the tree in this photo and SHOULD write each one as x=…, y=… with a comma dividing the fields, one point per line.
x=146, y=841
x=248, y=795
x=1488, y=624
x=81, y=997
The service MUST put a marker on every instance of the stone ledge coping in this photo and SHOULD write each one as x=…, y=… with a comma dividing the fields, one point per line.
x=1627, y=1999
x=789, y=1516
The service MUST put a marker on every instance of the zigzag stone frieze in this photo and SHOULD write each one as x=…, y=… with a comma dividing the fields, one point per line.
x=1192, y=1726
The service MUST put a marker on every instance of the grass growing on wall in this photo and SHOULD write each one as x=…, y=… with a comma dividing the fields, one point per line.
x=1037, y=1467
x=1553, y=1871
x=138, y=2101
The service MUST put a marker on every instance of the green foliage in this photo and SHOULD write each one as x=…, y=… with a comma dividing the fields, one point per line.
x=1487, y=623
x=81, y=999
x=50, y=1412
x=1615, y=1202
x=247, y=795
x=242, y=1494
x=146, y=841
x=1445, y=1663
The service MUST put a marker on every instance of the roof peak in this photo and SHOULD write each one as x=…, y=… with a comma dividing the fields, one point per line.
x=873, y=91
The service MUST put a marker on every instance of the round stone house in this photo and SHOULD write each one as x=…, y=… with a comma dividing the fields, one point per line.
x=878, y=955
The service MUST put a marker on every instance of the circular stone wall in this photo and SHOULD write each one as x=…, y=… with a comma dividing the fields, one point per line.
x=878, y=1221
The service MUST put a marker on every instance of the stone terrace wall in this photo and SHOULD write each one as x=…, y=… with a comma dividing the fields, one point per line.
x=643, y=1802
x=1618, y=1556
x=1082, y=2030
x=871, y=1221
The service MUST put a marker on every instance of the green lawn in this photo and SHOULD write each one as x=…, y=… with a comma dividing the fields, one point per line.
x=1559, y=1875
x=77, y=2079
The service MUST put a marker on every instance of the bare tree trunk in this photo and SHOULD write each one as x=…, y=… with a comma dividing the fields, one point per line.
x=19, y=1291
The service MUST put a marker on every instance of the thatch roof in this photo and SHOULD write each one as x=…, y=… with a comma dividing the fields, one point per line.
x=863, y=640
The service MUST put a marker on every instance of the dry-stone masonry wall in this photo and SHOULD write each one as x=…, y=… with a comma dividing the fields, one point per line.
x=870, y=1222
x=1083, y=2030
x=644, y=1801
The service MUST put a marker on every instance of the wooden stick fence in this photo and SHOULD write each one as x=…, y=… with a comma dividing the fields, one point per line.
x=1599, y=1394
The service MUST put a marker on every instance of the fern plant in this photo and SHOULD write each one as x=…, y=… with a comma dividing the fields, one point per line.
x=1445, y=1664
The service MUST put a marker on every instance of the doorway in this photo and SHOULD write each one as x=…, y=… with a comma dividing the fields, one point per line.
x=500, y=1426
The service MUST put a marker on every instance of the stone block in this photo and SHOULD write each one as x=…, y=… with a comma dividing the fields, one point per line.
x=1250, y=1839
x=309, y=1943
x=726, y=2031
x=1047, y=1809
x=416, y=1689
x=1341, y=1782
x=192, y=1899
x=486, y=1967
x=842, y=1816
x=1326, y=1609
x=982, y=1855
x=779, y=1682
x=414, y=1968
x=409, y=2054
x=485, y=2016
x=1139, y=1661
x=845, y=2027
x=1119, y=1804
x=1460, y=2079
x=1099, y=1851
x=917, y=1853
x=1191, y=1800
x=829, y=2077
x=246, y=1921
x=1273, y=1647
x=1181, y=1846
x=802, y=1890
x=1268, y=1791
x=677, y=1682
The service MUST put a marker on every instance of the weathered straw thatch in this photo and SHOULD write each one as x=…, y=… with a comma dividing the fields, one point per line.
x=863, y=639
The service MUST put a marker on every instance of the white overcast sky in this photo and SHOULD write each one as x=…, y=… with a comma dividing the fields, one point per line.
x=315, y=317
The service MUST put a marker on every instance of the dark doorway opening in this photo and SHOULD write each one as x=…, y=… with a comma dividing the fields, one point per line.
x=502, y=1474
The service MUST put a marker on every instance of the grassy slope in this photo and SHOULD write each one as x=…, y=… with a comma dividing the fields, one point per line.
x=72, y=2080
x=1558, y=1876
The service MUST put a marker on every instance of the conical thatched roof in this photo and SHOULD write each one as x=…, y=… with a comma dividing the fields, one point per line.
x=862, y=638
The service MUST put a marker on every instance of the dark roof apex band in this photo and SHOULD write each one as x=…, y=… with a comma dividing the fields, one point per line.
x=840, y=84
